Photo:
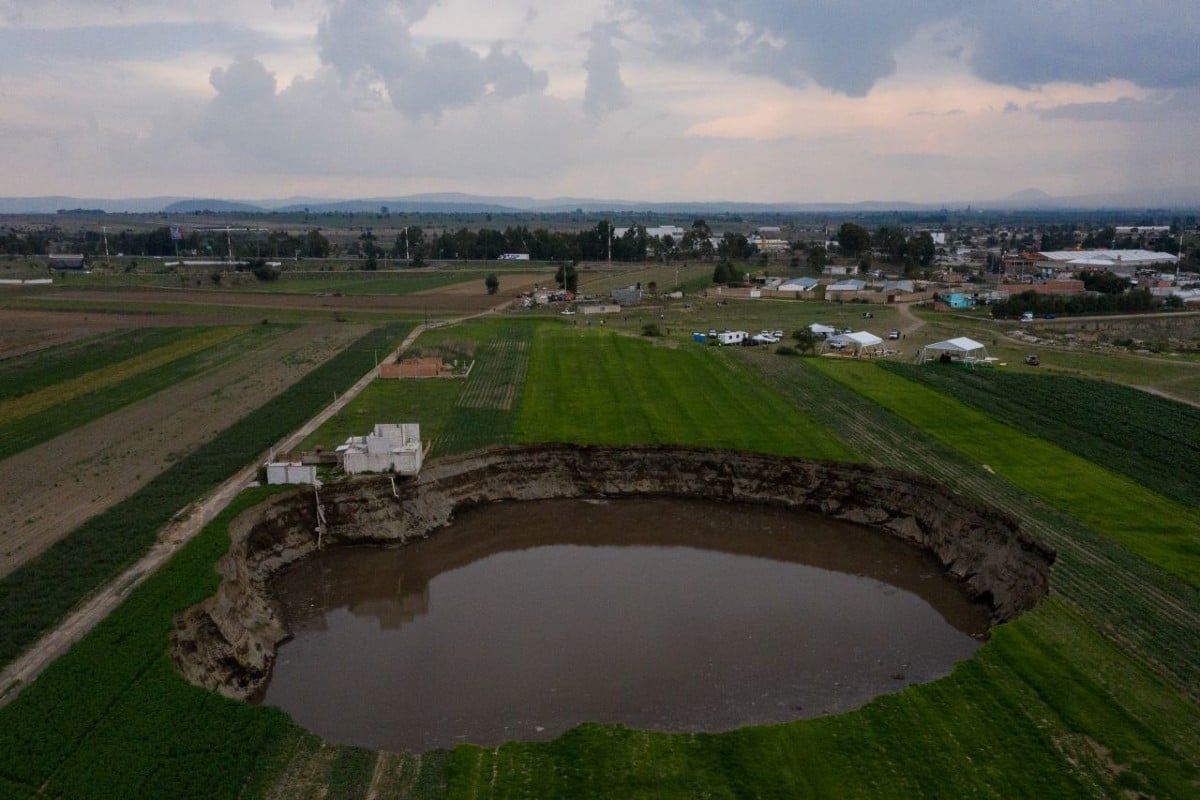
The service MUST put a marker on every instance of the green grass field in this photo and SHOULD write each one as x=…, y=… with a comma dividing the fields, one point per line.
x=604, y=388
x=1094, y=694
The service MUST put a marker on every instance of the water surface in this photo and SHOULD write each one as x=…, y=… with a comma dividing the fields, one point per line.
x=522, y=620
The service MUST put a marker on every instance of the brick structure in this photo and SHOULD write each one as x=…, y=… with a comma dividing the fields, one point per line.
x=415, y=368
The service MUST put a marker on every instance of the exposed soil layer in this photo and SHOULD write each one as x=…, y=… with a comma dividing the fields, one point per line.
x=228, y=642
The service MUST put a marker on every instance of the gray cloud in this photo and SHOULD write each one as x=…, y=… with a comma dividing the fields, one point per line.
x=1031, y=42
x=243, y=83
x=845, y=46
x=371, y=40
x=1183, y=104
x=849, y=46
x=141, y=42
x=605, y=91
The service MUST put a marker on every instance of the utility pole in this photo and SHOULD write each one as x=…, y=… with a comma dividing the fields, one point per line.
x=105, y=229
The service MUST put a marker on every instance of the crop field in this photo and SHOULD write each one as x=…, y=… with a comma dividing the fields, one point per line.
x=607, y=388
x=602, y=279
x=40, y=414
x=342, y=281
x=40, y=592
x=1122, y=429
x=1093, y=694
x=1164, y=532
x=487, y=407
x=27, y=373
x=154, y=418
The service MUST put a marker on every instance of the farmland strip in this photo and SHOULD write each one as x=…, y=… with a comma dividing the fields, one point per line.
x=42, y=399
x=21, y=434
x=38, y=594
x=29, y=372
x=1141, y=436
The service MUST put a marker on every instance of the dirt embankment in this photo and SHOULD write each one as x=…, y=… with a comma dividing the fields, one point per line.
x=228, y=642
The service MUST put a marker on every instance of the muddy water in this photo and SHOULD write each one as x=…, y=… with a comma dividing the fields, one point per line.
x=523, y=620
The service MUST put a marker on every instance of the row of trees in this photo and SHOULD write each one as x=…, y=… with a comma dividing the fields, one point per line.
x=599, y=243
x=915, y=251
x=159, y=242
x=24, y=244
x=1125, y=302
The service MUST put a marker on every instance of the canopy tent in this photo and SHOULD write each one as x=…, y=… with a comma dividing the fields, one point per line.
x=958, y=349
x=822, y=331
x=858, y=342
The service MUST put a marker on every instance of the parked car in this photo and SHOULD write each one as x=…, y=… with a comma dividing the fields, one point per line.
x=1050, y=316
x=1032, y=360
x=893, y=334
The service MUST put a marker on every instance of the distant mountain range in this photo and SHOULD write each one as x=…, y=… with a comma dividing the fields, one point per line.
x=455, y=203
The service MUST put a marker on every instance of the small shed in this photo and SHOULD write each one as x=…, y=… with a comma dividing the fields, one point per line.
x=284, y=472
x=961, y=349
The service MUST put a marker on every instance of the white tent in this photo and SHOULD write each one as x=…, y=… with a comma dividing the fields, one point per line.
x=958, y=349
x=822, y=331
x=858, y=342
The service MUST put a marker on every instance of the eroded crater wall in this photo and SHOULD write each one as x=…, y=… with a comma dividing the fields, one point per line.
x=228, y=642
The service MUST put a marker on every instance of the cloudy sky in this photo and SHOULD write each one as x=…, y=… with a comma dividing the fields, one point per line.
x=752, y=100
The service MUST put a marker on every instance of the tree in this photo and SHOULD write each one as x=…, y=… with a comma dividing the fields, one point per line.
x=1104, y=282
x=920, y=248
x=735, y=245
x=817, y=257
x=492, y=283
x=567, y=277
x=315, y=245
x=891, y=242
x=806, y=340
x=725, y=272
x=853, y=239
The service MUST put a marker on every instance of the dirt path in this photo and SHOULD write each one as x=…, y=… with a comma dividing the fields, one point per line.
x=912, y=322
x=49, y=490
x=25, y=669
